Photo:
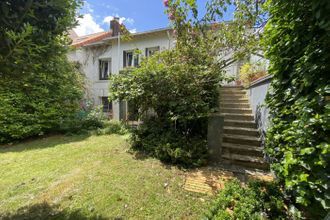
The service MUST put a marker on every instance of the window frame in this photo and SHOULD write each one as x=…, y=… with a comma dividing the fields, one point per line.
x=135, y=59
x=106, y=104
x=109, y=72
x=155, y=49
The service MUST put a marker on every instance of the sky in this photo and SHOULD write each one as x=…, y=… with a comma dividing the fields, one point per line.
x=137, y=15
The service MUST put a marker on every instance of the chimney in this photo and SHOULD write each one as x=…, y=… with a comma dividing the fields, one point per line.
x=115, y=26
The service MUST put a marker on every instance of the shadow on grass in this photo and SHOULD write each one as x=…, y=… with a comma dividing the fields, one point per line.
x=42, y=142
x=45, y=211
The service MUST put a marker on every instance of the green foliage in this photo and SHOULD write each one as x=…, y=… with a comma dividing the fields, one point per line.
x=179, y=90
x=40, y=102
x=251, y=71
x=170, y=85
x=87, y=119
x=40, y=91
x=257, y=200
x=240, y=36
x=298, y=46
x=113, y=127
x=166, y=142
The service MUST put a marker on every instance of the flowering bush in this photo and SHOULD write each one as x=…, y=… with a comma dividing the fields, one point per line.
x=250, y=72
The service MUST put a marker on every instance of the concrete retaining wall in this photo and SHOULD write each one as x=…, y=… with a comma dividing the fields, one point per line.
x=257, y=93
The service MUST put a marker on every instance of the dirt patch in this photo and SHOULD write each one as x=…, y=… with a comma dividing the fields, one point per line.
x=209, y=180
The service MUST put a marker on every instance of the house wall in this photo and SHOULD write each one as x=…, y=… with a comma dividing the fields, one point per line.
x=88, y=57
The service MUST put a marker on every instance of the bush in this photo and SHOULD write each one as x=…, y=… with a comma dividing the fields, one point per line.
x=298, y=47
x=256, y=200
x=88, y=118
x=250, y=72
x=160, y=140
x=180, y=93
x=113, y=127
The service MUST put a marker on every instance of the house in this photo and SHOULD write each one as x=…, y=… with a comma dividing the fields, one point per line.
x=102, y=54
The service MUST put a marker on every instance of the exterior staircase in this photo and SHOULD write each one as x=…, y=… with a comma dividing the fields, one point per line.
x=241, y=144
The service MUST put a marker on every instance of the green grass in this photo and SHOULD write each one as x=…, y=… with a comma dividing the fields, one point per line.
x=86, y=177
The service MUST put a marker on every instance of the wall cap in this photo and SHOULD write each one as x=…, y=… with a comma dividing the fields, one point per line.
x=261, y=80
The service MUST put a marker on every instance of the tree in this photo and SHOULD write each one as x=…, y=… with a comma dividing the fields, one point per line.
x=39, y=89
x=180, y=86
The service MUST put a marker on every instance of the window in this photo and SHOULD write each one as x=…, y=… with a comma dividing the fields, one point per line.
x=107, y=105
x=151, y=51
x=104, y=69
x=131, y=59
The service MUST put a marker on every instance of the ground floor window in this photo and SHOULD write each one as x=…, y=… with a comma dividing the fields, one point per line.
x=107, y=105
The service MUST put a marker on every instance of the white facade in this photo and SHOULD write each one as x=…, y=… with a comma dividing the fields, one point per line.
x=110, y=49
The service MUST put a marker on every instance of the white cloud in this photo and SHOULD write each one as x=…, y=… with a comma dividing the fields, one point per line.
x=87, y=25
x=130, y=21
x=133, y=31
x=121, y=19
x=87, y=7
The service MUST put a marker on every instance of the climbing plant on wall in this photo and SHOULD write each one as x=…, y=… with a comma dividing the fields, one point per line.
x=297, y=43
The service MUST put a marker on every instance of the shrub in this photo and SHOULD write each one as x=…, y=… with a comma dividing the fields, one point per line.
x=113, y=127
x=256, y=200
x=165, y=142
x=298, y=46
x=88, y=118
x=250, y=72
x=180, y=93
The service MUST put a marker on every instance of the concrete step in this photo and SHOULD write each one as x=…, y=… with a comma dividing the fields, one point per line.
x=236, y=110
x=234, y=105
x=230, y=100
x=246, y=161
x=229, y=148
x=234, y=101
x=231, y=87
x=240, y=117
x=232, y=92
x=241, y=139
x=241, y=131
x=240, y=124
x=233, y=96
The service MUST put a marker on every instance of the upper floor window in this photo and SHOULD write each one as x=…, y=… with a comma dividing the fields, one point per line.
x=131, y=59
x=151, y=51
x=104, y=69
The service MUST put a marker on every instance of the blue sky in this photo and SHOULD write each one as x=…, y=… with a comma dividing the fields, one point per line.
x=137, y=15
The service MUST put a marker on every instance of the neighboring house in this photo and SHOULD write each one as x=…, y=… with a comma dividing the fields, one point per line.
x=102, y=54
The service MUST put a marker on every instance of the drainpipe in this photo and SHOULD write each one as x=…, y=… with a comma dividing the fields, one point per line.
x=118, y=55
x=169, y=39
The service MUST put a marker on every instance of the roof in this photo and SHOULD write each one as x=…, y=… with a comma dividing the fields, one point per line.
x=101, y=37
x=87, y=39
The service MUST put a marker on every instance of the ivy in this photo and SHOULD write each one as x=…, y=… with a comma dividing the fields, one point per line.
x=297, y=41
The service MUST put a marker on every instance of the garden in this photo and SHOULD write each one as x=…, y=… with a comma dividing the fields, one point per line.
x=61, y=158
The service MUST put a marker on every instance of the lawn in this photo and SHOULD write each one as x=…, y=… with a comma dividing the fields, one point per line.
x=91, y=177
